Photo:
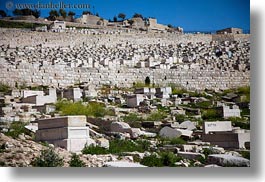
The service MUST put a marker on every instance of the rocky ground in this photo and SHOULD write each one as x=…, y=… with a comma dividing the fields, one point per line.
x=22, y=151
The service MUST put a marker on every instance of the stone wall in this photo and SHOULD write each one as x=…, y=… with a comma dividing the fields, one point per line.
x=62, y=76
x=230, y=37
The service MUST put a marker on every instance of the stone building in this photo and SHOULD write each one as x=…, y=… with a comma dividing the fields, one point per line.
x=230, y=31
x=91, y=20
x=57, y=25
x=153, y=25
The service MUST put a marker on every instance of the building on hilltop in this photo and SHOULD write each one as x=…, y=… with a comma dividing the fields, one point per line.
x=88, y=19
x=153, y=25
x=57, y=25
x=230, y=31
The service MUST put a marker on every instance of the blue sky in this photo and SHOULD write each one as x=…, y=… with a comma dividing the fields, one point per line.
x=192, y=15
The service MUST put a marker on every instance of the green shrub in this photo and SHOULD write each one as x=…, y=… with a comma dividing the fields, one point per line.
x=180, y=118
x=2, y=148
x=238, y=122
x=94, y=150
x=4, y=88
x=48, y=158
x=78, y=108
x=16, y=128
x=169, y=159
x=76, y=161
x=164, y=159
x=152, y=161
x=245, y=91
x=170, y=141
x=2, y=164
x=119, y=146
x=207, y=152
x=211, y=114
x=245, y=154
x=175, y=141
x=133, y=120
x=156, y=116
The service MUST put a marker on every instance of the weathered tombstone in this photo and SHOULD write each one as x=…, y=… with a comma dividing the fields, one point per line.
x=218, y=126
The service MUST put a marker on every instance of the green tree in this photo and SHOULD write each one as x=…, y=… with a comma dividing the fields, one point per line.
x=48, y=158
x=86, y=13
x=16, y=128
x=36, y=13
x=4, y=88
x=2, y=13
x=70, y=13
x=53, y=14
x=115, y=19
x=17, y=12
x=147, y=81
x=137, y=15
x=76, y=161
x=26, y=12
x=63, y=13
x=121, y=16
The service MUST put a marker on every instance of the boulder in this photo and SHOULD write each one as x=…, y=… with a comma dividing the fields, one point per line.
x=122, y=164
x=135, y=132
x=169, y=132
x=103, y=142
x=174, y=133
x=148, y=134
x=187, y=125
x=119, y=127
x=190, y=155
x=228, y=160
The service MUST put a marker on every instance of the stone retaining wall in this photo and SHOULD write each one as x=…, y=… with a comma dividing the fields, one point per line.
x=62, y=76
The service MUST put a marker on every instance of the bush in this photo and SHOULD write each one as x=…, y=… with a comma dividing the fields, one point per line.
x=244, y=91
x=16, y=128
x=211, y=114
x=78, y=108
x=163, y=159
x=4, y=88
x=175, y=141
x=94, y=150
x=48, y=158
x=169, y=159
x=245, y=154
x=207, y=152
x=2, y=148
x=152, y=161
x=238, y=122
x=76, y=161
x=133, y=120
x=180, y=118
x=119, y=146
x=156, y=116
x=172, y=141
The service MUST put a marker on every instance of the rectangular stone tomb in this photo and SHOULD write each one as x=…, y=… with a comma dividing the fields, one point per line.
x=73, y=145
x=62, y=133
x=217, y=126
x=67, y=121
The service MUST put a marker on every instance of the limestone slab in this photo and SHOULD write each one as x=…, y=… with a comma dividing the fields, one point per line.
x=68, y=121
x=62, y=133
